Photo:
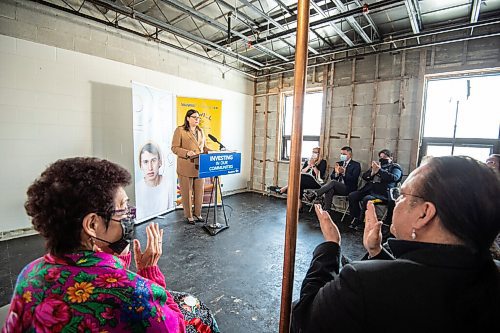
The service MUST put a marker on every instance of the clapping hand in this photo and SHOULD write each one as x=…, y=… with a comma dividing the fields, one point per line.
x=375, y=167
x=372, y=236
x=153, y=250
x=328, y=228
x=337, y=168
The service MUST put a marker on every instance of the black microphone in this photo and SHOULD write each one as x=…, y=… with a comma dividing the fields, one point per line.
x=214, y=139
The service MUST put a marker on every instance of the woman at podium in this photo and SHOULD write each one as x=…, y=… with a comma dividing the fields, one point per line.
x=188, y=143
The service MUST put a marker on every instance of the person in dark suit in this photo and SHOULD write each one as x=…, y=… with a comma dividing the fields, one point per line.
x=380, y=178
x=344, y=179
x=436, y=275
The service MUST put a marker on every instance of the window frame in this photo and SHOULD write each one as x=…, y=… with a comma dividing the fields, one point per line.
x=425, y=142
x=284, y=139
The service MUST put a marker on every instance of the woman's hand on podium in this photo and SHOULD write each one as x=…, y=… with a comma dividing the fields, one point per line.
x=190, y=153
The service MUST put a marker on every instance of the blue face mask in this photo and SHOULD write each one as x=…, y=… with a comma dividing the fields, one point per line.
x=343, y=157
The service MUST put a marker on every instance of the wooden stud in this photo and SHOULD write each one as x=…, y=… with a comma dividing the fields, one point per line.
x=403, y=86
x=374, y=106
x=351, y=110
x=264, y=153
x=253, y=133
x=278, y=123
x=421, y=89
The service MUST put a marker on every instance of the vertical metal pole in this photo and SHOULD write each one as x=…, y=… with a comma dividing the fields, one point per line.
x=295, y=160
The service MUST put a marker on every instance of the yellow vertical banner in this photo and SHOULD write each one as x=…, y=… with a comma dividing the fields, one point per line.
x=210, y=111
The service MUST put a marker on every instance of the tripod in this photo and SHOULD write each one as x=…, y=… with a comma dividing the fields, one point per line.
x=214, y=228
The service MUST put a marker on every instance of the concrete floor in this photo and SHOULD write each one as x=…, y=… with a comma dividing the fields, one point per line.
x=237, y=273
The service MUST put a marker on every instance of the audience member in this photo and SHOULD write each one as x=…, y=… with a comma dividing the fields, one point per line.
x=344, y=179
x=391, y=203
x=82, y=284
x=494, y=162
x=437, y=274
x=382, y=176
x=312, y=174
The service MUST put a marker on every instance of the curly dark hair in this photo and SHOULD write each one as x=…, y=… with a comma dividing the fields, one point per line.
x=68, y=190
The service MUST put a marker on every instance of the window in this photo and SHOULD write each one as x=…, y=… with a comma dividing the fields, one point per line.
x=462, y=117
x=311, y=124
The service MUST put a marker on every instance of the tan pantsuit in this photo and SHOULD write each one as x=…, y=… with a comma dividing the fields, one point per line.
x=191, y=191
x=187, y=169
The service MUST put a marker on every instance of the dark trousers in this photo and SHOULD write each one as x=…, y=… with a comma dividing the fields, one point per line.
x=330, y=190
x=358, y=201
x=307, y=181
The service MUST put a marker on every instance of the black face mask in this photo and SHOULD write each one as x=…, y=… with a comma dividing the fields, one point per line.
x=383, y=161
x=128, y=231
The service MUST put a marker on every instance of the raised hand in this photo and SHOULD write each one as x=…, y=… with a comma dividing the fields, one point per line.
x=375, y=167
x=372, y=236
x=337, y=168
x=328, y=228
x=153, y=250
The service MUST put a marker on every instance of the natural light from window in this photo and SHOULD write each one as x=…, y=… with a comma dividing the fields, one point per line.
x=478, y=116
x=311, y=123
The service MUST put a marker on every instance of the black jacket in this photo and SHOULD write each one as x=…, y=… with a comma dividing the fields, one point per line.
x=351, y=176
x=321, y=165
x=386, y=178
x=423, y=288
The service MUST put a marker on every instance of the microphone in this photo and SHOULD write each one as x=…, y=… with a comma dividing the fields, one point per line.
x=214, y=139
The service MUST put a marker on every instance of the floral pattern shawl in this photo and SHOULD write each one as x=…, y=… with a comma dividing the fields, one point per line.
x=90, y=292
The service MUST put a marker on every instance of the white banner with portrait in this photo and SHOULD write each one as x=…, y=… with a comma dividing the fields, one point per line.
x=154, y=162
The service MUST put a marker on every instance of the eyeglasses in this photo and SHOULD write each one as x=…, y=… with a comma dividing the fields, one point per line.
x=195, y=117
x=125, y=213
x=396, y=194
x=129, y=212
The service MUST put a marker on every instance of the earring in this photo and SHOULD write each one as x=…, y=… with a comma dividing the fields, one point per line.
x=413, y=234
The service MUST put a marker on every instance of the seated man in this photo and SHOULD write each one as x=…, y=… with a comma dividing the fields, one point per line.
x=344, y=179
x=381, y=177
x=312, y=174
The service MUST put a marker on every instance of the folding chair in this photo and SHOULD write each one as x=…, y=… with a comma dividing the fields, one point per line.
x=343, y=207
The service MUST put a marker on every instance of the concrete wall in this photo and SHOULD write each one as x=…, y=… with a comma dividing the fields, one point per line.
x=58, y=99
x=376, y=101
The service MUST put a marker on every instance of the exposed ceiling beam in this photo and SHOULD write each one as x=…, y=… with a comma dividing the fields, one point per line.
x=476, y=8
x=375, y=7
x=474, y=14
x=414, y=15
x=106, y=22
x=266, y=71
x=291, y=13
x=352, y=22
x=216, y=24
x=337, y=30
x=123, y=10
x=270, y=19
x=368, y=18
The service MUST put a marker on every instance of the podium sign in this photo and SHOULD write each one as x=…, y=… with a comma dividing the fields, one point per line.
x=219, y=164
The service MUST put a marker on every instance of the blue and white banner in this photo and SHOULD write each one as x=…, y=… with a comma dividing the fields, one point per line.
x=154, y=162
x=219, y=163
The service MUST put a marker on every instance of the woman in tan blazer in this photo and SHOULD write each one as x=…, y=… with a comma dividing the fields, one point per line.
x=188, y=142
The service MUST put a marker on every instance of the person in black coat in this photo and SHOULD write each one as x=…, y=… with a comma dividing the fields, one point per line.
x=380, y=178
x=344, y=179
x=436, y=275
